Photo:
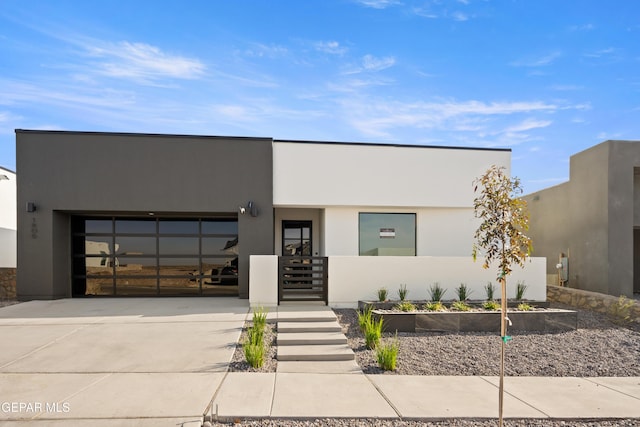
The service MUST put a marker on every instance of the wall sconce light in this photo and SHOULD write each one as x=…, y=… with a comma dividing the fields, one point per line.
x=31, y=207
x=251, y=207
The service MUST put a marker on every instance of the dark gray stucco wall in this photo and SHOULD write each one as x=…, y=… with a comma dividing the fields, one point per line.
x=591, y=217
x=78, y=172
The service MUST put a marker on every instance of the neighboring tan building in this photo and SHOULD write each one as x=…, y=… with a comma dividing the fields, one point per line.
x=115, y=214
x=594, y=220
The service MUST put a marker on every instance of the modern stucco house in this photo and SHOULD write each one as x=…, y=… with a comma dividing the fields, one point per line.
x=593, y=220
x=140, y=215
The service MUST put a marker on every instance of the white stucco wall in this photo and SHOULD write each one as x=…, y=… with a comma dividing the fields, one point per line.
x=8, y=219
x=439, y=231
x=326, y=174
x=353, y=278
x=263, y=280
x=356, y=278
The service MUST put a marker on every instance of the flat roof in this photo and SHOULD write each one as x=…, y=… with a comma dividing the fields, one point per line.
x=293, y=141
x=386, y=144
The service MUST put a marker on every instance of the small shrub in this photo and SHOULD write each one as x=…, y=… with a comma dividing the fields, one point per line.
x=406, y=306
x=364, y=317
x=436, y=292
x=460, y=306
x=523, y=306
x=402, y=292
x=620, y=311
x=521, y=288
x=255, y=335
x=434, y=306
x=463, y=292
x=490, y=289
x=382, y=294
x=491, y=305
x=387, y=354
x=259, y=317
x=373, y=333
x=254, y=353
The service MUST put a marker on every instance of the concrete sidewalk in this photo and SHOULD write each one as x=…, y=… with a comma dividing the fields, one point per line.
x=115, y=362
x=297, y=395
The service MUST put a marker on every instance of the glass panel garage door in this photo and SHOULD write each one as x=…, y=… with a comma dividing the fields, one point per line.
x=155, y=256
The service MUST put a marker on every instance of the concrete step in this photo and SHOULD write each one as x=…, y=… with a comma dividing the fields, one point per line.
x=324, y=353
x=307, y=316
x=310, y=338
x=326, y=326
x=316, y=367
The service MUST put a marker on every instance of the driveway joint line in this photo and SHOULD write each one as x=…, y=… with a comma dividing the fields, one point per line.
x=384, y=396
x=591, y=380
x=517, y=398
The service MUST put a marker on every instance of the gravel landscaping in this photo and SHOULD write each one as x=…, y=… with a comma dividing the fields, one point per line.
x=450, y=422
x=597, y=348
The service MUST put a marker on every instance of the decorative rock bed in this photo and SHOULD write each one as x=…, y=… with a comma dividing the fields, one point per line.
x=536, y=320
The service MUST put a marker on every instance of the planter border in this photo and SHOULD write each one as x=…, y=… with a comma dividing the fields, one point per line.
x=553, y=320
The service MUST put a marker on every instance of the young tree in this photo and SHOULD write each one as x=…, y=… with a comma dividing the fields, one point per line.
x=500, y=238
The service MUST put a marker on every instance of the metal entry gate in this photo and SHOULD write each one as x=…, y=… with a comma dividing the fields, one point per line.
x=303, y=278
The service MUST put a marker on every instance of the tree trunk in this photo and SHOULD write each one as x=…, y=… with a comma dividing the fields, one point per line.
x=503, y=334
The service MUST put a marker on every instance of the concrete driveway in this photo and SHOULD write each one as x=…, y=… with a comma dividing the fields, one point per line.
x=115, y=362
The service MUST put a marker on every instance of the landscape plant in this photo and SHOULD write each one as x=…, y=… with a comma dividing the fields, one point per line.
x=373, y=332
x=620, y=311
x=402, y=292
x=434, y=306
x=490, y=290
x=382, y=294
x=364, y=317
x=387, y=354
x=254, y=347
x=405, y=306
x=460, y=306
x=500, y=237
x=463, y=292
x=521, y=289
x=436, y=292
x=491, y=305
x=523, y=306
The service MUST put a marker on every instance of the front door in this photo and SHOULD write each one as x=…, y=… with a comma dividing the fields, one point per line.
x=296, y=238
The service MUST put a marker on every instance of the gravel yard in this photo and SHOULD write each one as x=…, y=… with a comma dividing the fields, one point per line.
x=597, y=348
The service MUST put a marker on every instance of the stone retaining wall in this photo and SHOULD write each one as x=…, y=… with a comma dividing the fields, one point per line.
x=7, y=283
x=588, y=300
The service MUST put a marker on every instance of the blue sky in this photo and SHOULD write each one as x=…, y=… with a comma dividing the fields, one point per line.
x=545, y=78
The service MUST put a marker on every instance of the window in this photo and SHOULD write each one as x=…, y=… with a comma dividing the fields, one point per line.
x=387, y=234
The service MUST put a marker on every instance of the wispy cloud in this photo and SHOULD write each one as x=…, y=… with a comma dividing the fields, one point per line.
x=331, y=47
x=566, y=87
x=372, y=63
x=583, y=27
x=380, y=117
x=606, y=56
x=528, y=124
x=537, y=61
x=459, y=16
x=378, y=4
x=142, y=62
x=271, y=51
